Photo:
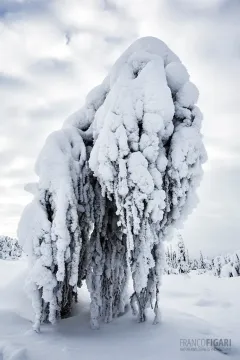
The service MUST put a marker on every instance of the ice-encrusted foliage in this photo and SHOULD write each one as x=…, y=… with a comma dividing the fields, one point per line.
x=147, y=156
x=57, y=225
x=137, y=151
x=107, y=264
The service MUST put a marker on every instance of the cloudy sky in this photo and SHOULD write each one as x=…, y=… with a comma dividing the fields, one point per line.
x=52, y=52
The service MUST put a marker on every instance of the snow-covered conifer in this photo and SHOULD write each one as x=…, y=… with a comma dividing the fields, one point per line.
x=236, y=262
x=4, y=247
x=9, y=248
x=168, y=263
x=202, y=264
x=208, y=264
x=139, y=134
x=218, y=264
x=195, y=264
x=183, y=263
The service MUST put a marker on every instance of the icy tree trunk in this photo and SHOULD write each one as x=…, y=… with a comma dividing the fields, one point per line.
x=108, y=268
x=115, y=267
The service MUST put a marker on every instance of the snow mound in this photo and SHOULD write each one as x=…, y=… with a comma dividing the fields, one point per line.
x=73, y=338
x=13, y=297
x=10, y=351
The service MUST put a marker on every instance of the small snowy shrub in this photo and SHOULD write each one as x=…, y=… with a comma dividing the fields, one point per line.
x=9, y=248
x=112, y=185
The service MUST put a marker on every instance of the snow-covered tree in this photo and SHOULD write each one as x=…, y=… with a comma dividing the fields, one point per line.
x=218, y=264
x=202, y=264
x=113, y=183
x=194, y=264
x=4, y=247
x=174, y=260
x=168, y=268
x=208, y=264
x=236, y=262
x=227, y=270
x=182, y=259
x=16, y=250
x=231, y=266
x=9, y=248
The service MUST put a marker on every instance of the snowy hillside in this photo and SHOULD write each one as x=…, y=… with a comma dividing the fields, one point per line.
x=192, y=307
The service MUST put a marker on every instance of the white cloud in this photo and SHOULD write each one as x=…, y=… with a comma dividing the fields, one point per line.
x=54, y=52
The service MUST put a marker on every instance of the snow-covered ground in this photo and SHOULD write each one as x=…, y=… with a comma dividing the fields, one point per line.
x=193, y=307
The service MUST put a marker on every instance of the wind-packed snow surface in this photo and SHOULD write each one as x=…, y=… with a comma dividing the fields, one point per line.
x=112, y=185
x=194, y=307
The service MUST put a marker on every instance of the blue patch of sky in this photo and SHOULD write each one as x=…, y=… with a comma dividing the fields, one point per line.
x=28, y=6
